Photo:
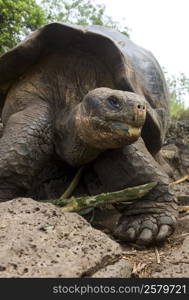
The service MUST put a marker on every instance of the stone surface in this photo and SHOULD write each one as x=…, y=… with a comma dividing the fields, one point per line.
x=39, y=240
x=176, y=148
x=121, y=269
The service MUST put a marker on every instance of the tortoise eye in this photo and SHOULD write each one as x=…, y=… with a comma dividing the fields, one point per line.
x=114, y=102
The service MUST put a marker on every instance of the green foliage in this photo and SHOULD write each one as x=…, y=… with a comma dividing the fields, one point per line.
x=17, y=18
x=179, y=90
x=176, y=107
x=83, y=12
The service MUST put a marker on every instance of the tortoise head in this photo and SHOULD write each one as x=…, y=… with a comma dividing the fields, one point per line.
x=110, y=119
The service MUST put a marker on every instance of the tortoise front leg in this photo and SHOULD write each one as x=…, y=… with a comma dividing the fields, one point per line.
x=152, y=218
x=25, y=147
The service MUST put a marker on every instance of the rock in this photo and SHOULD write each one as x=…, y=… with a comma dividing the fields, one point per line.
x=182, y=192
x=39, y=240
x=178, y=132
x=122, y=269
x=170, y=152
x=176, y=148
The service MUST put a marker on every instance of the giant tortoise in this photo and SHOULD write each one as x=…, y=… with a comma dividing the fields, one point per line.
x=90, y=95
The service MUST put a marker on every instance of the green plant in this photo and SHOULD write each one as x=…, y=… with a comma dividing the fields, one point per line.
x=179, y=90
x=17, y=19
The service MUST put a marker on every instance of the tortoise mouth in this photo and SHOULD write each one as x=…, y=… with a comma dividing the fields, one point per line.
x=114, y=124
x=123, y=125
x=130, y=130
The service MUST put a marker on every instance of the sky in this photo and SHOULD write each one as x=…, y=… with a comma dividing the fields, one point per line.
x=161, y=26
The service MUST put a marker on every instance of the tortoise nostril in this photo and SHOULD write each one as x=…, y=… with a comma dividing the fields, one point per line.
x=141, y=107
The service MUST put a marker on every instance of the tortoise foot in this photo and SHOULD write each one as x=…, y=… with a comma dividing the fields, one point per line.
x=146, y=229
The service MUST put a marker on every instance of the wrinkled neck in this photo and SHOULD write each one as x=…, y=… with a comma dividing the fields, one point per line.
x=69, y=144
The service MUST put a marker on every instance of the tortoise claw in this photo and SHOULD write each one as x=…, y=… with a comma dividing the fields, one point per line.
x=145, y=237
x=164, y=232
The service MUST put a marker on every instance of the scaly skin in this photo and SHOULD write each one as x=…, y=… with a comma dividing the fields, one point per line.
x=25, y=147
x=32, y=135
x=151, y=219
